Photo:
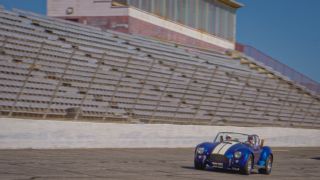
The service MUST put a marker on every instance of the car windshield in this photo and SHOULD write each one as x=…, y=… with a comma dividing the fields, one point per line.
x=231, y=136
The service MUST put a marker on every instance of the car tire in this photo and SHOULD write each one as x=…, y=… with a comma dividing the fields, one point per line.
x=248, y=166
x=199, y=165
x=268, y=166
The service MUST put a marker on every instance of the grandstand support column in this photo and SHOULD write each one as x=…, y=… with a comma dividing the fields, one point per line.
x=206, y=92
x=4, y=43
x=296, y=106
x=185, y=91
x=2, y=51
x=93, y=77
x=27, y=78
x=221, y=97
x=267, y=109
x=59, y=83
x=162, y=94
x=240, y=95
x=116, y=89
x=143, y=83
x=283, y=104
x=256, y=97
x=309, y=107
x=315, y=124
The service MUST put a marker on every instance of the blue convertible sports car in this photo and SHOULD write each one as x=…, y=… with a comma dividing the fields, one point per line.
x=234, y=151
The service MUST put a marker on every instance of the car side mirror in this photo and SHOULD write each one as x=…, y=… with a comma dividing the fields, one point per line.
x=261, y=143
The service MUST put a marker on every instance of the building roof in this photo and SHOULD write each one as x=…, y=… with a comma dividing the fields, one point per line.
x=232, y=3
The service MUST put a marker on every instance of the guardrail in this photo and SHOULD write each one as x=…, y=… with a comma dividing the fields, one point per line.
x=280, y=67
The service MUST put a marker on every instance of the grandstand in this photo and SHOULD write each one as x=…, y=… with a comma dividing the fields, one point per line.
x=52, y=68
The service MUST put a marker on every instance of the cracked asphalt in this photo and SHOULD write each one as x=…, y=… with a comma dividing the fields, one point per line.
x=143, y=164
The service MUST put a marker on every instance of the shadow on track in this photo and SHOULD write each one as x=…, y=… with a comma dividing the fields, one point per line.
x=217, y=170
x=316, y=158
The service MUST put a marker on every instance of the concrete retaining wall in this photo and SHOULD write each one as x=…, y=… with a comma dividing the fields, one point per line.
x=38, y=134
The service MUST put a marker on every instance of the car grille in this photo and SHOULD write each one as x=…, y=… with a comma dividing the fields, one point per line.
x=218, y=158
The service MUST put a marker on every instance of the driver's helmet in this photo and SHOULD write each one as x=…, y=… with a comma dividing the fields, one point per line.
x=250, y=139
x=228, y=137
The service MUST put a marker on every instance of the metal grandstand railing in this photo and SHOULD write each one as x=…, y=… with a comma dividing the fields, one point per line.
x=279, y=67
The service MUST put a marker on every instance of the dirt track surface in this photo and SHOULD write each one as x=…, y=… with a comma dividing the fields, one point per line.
x=148, y=164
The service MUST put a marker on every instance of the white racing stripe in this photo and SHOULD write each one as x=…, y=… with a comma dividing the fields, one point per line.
x=217, y=148
x=222, y=148
x=225, y=148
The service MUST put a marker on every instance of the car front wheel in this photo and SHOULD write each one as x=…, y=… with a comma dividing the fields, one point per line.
x=248, y=166
x=268, y=166
x=199, y=165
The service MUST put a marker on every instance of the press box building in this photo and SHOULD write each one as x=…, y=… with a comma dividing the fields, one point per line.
x=208, y=24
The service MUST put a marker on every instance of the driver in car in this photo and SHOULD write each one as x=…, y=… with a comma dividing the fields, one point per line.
x=228, y=138
x=250, y=140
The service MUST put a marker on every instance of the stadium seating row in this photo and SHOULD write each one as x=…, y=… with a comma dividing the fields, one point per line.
x=52, y=68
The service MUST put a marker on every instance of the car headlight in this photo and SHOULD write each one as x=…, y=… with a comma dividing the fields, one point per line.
x=237, y=154
x=200, y=150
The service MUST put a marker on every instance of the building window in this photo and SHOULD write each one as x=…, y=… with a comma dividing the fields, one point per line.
x=209, y=16
x=119, y=3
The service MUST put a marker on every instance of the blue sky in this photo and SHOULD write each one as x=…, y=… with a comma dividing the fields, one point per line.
x=287, y=30
x=38, y=6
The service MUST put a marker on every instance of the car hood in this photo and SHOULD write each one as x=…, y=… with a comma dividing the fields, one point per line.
x=227, y=146
x=223, y=148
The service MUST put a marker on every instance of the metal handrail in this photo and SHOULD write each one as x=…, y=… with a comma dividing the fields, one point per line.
x=279, y=67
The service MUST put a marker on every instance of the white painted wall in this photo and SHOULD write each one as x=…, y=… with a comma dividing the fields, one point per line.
x=38, y=134
x=84, y=8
